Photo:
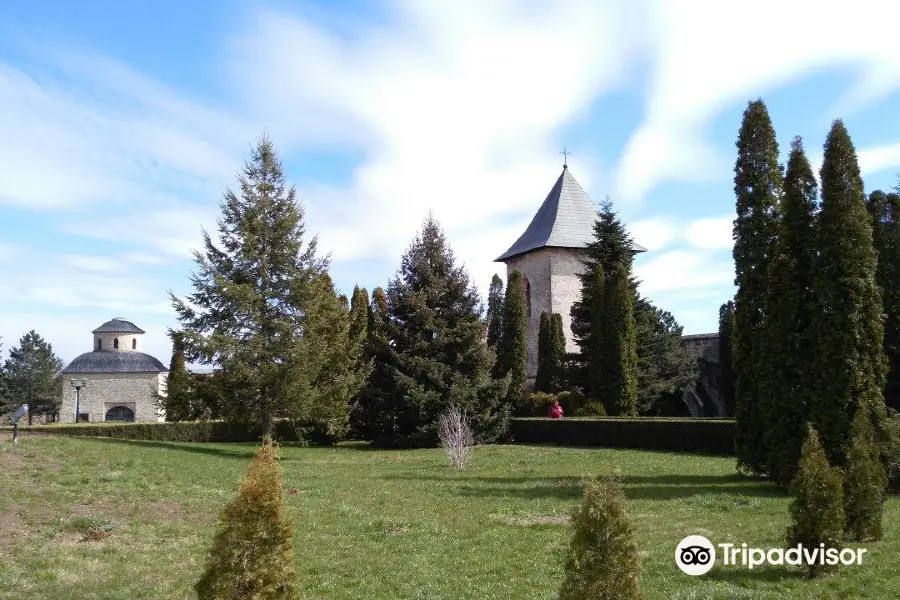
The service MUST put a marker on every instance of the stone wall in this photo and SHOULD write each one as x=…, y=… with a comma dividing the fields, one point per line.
x=107, y=390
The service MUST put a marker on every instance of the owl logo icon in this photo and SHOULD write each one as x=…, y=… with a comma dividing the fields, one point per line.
x=695, y=555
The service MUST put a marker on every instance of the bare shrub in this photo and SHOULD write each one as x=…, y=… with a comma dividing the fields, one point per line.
x=456, y=436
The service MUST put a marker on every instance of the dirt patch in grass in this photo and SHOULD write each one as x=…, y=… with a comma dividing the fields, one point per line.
x=163, y=510
x=11, y=461
x=12, y=526
x=529, y=521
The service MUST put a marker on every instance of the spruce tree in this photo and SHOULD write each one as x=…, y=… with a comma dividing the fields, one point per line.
x=542, y=379
x=884, y=210
x=512, y=351
x=371, y=412
x=865, y=482
x=265, y=312
x=665, y=365
x=726, y=356
x=178, y=401
x=594, y=346
x=817, y=505
x=757, y=187
x=602, y=561
x=557, y=354
x=252, y=554
x=788, y=357
x=32, y=374
x=620, y=381
x=436, y=354
x=495, y=311
x=849, y=333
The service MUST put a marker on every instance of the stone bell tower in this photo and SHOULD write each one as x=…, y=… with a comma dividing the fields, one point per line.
x=550, y=255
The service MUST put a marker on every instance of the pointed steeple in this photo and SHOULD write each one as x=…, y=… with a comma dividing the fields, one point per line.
x=565, y=220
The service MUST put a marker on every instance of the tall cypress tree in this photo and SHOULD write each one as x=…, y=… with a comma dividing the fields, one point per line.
x=885, y=213
x=726, y=356
x=849, y=333
x=788, y=356
x=495, y=311
x=33, y=375
x=179, y=395
x=436, y=354
x=557, y=354
x=545, y=352
x=359, y=314
x=265, y=311
x=371, y=414
x=594, y=344
x=757, y=187
x=512, y=351
x=620, y=352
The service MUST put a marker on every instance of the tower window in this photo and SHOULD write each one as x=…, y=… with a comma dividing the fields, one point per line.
x=116, y=344
x=134, y=344
x=99, y=344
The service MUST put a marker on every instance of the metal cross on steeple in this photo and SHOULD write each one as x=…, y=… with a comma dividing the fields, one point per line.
x=565, y=152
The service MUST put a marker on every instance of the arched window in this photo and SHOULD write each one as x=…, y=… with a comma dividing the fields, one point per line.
x=528, y=296
x=134, y=343
x=116, y=344
x=99, y=344
x=120, y=413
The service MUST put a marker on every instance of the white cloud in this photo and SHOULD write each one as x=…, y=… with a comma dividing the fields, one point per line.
x=711, y=233
x=100, y=264
x=653, y=234
x=709, y=56
x=684, y=270
x=879, y=159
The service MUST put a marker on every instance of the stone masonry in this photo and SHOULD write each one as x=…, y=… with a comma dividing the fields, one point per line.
x=108, y=390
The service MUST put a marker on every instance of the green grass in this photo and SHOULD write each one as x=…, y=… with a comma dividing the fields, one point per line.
x=109, y=519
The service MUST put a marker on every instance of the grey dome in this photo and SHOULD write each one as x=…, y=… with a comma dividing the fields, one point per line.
x=106, y=361
x=118, y=325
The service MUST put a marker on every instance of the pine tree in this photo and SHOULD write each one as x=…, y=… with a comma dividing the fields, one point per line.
x=557, y=354
x=787, y=355
x=757, y=187
x=665, y=365
x=359, y=314
x=179, y=400
x=512, y=351
x=252, y=555
x=848, y=329
x=371, y=413
x=436, y=353
x=33, y=375
x=865, y=482
x=602, y=561
x=265, y=311
x=726, y=356
x=495, y=311
x=817, y=505
x=594, y=345
x=545, y=350
x=884, y=210
x=620, y=381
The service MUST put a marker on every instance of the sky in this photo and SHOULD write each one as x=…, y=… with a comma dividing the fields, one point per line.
x=122, y=123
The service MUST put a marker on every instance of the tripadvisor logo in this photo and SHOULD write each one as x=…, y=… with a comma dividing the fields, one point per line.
x=696, y=555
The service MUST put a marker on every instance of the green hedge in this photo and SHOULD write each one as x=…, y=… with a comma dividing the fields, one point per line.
x=186, y=431
x=711, y=436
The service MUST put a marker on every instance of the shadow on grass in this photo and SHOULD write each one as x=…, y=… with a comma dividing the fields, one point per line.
x=242, y=451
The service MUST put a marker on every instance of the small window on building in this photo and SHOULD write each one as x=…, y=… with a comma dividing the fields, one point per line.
x=116, y=344
x=99, y=344
x=120, y=413
x=134, y=344
x=84, y=417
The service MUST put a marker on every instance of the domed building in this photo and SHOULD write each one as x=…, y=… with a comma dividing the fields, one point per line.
x=116, y=381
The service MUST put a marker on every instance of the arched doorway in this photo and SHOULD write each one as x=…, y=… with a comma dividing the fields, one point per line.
x=120, y=413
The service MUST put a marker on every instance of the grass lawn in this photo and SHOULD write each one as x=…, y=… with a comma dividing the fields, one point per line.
x=386, y=525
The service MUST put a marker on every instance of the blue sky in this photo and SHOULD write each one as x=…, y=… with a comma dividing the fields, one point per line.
x=122, y=123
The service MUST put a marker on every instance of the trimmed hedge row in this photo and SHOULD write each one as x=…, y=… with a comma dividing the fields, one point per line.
x=710, y=436
x=185, y=431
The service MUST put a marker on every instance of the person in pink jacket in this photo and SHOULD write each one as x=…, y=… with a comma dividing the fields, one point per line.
x=556, y=411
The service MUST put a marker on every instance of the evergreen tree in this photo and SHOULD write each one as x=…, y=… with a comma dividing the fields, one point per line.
x=557, y=354
x=33, y=375
x=848, y=333
x=252, y=555
x=865, y=482
x=265, y=311
x=512, y=351
x=5, y=399
x=884, y=210
x=602, y=561
x=495, y=311
x=620, y=381
x=371, y=412
x=726, y=356
x=788, y=356
x=757, y=187
x=665, y=366
x=436, y=354
x=817, y=505
x=359, y=314
x=545, y=350
x=179, y=399
x=594, y=346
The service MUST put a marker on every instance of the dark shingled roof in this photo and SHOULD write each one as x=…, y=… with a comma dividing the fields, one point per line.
x=565, y=220
x=118, y=325
x=110, y=361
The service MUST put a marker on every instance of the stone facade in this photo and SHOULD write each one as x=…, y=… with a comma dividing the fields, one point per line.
x=136, y=391
x=552, y=285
